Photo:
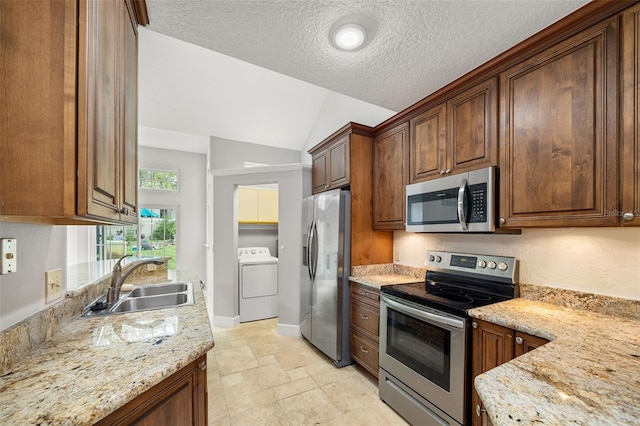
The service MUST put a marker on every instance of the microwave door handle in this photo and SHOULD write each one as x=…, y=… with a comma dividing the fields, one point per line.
x=462, y=214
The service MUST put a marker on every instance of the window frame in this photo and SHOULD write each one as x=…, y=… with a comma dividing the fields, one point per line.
x=159, y=170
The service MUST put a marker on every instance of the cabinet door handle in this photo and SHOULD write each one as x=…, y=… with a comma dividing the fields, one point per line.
x=628, y=216
x=441, y=171
x=519, y=340
x=446, y=172
x=363, y=293
x=502, y=221
x=364, y=317
x=202, y=365
x=363, y=350
x=479, y=410
x=474, y=324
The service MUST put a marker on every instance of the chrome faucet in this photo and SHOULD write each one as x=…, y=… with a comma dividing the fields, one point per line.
x=118, y=278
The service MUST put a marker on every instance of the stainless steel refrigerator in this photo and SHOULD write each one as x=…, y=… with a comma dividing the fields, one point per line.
x=324, y=275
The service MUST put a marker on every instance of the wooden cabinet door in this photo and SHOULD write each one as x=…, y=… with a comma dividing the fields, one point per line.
x=473, y=128
x=339, y=163
x=526, y=342
x=129, y=115
x=630, y=159
x=428, y=145
x=319, y=172
x=492, y=346
x=178, y=400
x=99, y=156
x=390, y=152
x=559, y=142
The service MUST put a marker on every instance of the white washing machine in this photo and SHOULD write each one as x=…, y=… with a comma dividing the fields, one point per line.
x=257, y=283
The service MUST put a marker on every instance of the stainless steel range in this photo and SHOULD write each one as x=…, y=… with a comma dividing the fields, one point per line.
x=425, y=362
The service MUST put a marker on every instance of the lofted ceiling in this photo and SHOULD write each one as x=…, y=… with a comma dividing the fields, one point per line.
x=418, y=46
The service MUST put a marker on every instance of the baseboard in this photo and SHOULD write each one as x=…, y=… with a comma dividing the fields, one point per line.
x=288, y=330
x=226, y=322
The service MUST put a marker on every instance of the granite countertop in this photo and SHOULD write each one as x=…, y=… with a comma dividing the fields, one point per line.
x=95, y=365
x=588, y=374
x=377, y=281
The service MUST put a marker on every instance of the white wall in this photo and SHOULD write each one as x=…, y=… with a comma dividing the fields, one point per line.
x=189, y=201
x=230, y=154
x=41, y=248
x=596, y=260
x=225, y=297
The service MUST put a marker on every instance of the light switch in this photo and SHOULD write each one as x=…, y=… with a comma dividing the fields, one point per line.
x=53, y=285
x=9, y=254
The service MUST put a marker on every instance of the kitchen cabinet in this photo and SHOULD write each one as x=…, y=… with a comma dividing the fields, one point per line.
x=390, y=167
x=365, y=323
x=70, y=111
x=178, y=400
x=558, y=164
x=368, y=246
x=257, y=205
x=630, y=158
x=494, y=345
x=457, y=135
x=330, y=166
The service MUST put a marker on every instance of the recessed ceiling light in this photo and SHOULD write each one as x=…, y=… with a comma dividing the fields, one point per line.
x=349, y=36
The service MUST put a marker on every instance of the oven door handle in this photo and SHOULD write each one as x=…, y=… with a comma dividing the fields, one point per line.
x=424, y=315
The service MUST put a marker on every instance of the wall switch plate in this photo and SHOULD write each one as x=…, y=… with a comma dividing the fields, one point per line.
x=396, y=255
x=53, y=285
x=9, y=255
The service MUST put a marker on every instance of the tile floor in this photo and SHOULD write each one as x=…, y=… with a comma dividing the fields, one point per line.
x=256, y=377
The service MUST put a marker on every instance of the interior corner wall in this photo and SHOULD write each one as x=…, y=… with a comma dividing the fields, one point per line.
x=190, y=201
x=41, y=248
x=229, y=154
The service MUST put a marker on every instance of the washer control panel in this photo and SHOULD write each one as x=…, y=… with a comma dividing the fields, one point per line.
x=253, y=252
x=502, y=267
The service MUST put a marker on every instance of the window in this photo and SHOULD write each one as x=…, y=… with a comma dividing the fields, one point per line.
x=157, y=230
x=162, y=180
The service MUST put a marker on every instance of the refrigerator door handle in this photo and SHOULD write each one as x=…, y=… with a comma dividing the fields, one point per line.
x=308, y=251
x=314, y=250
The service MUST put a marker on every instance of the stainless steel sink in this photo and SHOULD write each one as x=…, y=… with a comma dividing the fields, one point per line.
x=131, y=304
x=144, y=298
x=158, y=289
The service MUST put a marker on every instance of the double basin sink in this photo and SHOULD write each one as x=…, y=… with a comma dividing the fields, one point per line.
x=144, y=298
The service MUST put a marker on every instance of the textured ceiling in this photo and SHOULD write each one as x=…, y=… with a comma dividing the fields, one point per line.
x=417, y=48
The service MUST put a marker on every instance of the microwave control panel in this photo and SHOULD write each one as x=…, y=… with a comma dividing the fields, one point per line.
x=478, y=200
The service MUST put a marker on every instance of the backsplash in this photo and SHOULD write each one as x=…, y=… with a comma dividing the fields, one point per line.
x=389, y=268
x=19, y=339
x=614, y=306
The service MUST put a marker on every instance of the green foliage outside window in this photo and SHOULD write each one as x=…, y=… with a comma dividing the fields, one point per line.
x=158, y=179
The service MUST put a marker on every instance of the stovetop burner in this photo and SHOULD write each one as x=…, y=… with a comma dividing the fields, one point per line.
x=460, y=282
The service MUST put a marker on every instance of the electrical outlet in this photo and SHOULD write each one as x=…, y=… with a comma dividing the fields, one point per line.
x=396, y=255
x=53, y=285
x=9, y=254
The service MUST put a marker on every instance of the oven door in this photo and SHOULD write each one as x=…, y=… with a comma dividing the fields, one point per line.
x=424, y=349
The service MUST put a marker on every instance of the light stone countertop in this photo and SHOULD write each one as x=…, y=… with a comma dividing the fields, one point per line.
x=589, y=374
x=94, y=366
x=377, y=281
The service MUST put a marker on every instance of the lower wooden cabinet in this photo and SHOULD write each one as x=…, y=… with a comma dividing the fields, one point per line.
x=494, y=345
x=179, y=400
x=365, y=326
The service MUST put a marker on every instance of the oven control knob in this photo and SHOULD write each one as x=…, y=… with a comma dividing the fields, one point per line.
x=492, y=265
x=438, y=258
x=431, y=258
x=482, y=264
x=502, y=266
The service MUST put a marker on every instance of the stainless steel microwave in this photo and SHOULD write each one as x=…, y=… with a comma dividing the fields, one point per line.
x=459, y=203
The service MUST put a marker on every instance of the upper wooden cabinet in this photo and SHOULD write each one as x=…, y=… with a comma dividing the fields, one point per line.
x=390, y=165
x=69, y=118
x=345, y=159
x=331, y=166
x=456, y=136
x=559, y=153
x=630, y=159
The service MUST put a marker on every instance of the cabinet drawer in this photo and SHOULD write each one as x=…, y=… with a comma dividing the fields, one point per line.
x=364, y=293
x=365, y=352
x=364, y=317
